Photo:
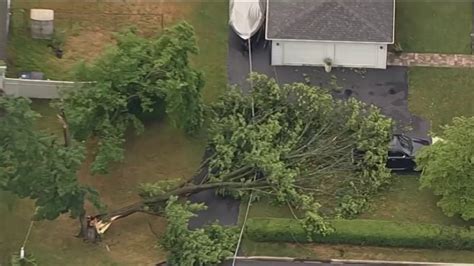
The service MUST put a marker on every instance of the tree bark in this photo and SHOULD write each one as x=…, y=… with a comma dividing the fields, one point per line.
x=180, y=192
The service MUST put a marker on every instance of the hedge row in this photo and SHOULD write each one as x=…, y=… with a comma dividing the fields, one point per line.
x=365, y=232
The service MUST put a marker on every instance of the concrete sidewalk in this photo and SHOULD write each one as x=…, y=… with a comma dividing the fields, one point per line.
x=431, y=60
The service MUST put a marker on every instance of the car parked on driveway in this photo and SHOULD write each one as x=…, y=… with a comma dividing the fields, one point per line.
x=402, y=150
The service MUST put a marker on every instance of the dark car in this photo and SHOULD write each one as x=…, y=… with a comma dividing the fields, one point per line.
x=401, y=154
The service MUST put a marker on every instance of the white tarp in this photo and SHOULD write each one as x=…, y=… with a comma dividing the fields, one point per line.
x=246, y=17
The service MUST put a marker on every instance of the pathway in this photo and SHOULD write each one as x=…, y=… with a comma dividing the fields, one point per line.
x=431, y=60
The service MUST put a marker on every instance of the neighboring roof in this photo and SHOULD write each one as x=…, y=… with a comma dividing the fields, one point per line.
x=331, y=20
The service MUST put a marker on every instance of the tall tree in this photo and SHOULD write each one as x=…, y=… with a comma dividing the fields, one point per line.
x=34, y=165
x=136, y=77
x=448, y=168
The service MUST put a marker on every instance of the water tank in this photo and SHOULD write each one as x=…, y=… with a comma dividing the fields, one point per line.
x=42, y=23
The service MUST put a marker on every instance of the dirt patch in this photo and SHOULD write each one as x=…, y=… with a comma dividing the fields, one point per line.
x=87, y=45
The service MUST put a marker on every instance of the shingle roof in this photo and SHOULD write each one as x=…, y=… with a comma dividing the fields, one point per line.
x=331, y=20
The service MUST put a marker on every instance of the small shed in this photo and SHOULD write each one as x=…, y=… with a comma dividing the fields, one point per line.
x=42, y=23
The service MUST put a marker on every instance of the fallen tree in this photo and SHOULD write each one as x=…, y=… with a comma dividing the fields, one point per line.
x=291, y=144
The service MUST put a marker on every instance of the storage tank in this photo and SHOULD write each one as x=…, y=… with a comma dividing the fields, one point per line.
x=42, y=23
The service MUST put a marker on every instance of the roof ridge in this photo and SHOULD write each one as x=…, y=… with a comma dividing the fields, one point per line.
x=357, y=15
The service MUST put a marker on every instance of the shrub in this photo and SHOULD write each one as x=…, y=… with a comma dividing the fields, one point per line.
x=365, y=232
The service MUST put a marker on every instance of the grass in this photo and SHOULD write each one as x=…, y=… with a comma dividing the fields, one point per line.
x=86, y=28
x=212, y=41
x=403, y=201
x=161, y=152
x=439, y=94
x=433, y=26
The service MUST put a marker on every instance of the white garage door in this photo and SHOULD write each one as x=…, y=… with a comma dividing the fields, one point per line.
x=342, y=54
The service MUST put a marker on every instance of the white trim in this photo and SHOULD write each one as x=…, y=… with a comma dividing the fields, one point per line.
x=326, y=41
x=394, y=14
x=267, y=18
x=267, y=12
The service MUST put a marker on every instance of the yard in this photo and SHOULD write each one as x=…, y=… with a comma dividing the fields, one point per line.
x=403, y=201
x=86, y=28
x=161, y=152
x=439, y=94
x=431, y=26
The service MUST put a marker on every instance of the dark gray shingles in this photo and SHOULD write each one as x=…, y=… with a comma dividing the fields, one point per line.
x=335, y=20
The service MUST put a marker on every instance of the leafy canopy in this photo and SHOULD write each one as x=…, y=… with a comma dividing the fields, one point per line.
x=294, y=144
x=448, y=168
x=34, y=165
x=138, y=77
x=298, y=144
x=204, y=246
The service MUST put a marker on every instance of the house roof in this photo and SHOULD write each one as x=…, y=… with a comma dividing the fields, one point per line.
x=331, y=20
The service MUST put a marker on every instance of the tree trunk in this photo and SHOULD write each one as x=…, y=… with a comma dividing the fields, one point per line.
x=83, y=223
x=161, y=200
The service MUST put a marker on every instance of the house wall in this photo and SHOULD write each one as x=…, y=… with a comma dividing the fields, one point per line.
x=343, y=54
x=41, y=89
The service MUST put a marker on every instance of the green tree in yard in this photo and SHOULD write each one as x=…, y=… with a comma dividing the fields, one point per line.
x=448, y=168
x=135, y=78
x=33, y=165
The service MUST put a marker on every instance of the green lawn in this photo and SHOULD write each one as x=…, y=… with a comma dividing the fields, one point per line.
x=439, y=94
x=403, y=201
x=210, y=22
x=433, y=26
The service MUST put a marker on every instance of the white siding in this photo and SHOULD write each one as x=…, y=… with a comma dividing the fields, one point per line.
x=300, y=53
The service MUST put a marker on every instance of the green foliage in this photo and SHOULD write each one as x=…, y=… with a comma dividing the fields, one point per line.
x=296, y=143
x=28, y=260
x=137, y=77
x=150, y=190
x=448, y=168
x=364, y=232
x=209, y=245
x=34, y=165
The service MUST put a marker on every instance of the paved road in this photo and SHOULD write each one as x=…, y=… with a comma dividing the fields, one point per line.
x=281, y=263
x=387, y=89
x=3, y=28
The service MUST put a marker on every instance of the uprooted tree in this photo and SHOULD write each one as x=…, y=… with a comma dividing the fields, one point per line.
x=293, y=144
x=448, y=168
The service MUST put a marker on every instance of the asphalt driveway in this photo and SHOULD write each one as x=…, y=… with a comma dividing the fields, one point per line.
x=385, y=88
